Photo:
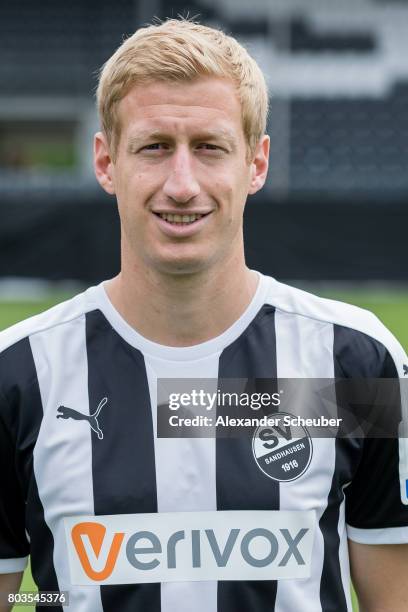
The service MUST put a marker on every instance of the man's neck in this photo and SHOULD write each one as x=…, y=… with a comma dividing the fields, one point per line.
x=182, y=310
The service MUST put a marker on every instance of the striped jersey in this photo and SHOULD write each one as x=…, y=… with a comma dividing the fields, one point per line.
x=125, y=520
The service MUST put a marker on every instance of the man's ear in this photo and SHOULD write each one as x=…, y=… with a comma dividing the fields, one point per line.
x=259, y=165
x=103, y=164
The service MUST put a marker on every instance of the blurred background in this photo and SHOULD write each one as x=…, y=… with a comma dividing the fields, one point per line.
x=335, y=206
x=333, y=216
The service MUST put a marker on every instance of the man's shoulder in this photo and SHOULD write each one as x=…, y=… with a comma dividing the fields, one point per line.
x=360, y=329
x=59, y=314
x=295, y=301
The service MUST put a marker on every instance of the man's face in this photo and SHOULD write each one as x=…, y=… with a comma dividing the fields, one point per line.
x=181, y=174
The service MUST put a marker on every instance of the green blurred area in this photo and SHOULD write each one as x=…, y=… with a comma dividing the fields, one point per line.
x=38, y=145
x=391, y=308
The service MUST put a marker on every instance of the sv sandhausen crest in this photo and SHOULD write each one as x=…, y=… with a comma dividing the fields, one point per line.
x=282, y=452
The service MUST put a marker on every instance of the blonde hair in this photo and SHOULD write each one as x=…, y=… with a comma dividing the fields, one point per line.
x=182, y=50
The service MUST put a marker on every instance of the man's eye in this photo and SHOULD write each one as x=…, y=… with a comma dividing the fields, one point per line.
x=210, y=147
x=154, y=146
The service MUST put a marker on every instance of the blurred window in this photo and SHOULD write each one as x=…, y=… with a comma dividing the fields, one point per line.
x=38, y=145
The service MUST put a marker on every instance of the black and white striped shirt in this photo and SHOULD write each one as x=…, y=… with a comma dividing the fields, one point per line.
x=83, y=356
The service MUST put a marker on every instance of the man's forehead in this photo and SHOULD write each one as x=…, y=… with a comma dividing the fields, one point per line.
x=205, y=108
x=204, y=98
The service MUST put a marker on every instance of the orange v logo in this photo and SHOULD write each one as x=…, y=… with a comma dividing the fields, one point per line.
x=95, y=533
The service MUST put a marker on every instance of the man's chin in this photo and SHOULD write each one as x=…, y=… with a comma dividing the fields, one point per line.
x=181, y=266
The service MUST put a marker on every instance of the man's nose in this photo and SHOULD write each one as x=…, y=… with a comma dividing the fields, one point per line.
x=181, y=184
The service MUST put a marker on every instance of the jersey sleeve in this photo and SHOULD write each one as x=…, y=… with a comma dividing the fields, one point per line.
x=377, y=497
x=14, y=546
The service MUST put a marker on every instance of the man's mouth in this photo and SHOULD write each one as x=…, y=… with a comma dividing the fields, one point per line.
x=176, y=219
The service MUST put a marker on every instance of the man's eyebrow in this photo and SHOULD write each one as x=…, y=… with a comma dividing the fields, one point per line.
x=143, y=135
x=217, y=133
x=213, y=134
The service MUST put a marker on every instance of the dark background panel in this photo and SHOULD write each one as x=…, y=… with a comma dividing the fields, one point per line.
x=298, y=239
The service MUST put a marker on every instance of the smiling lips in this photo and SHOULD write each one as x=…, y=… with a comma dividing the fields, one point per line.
x=184, y=219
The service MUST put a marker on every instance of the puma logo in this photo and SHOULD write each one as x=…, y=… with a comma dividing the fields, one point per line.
x=405, y=369
x=69, y=413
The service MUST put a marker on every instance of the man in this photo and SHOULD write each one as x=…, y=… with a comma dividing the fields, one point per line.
x=123, y=519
